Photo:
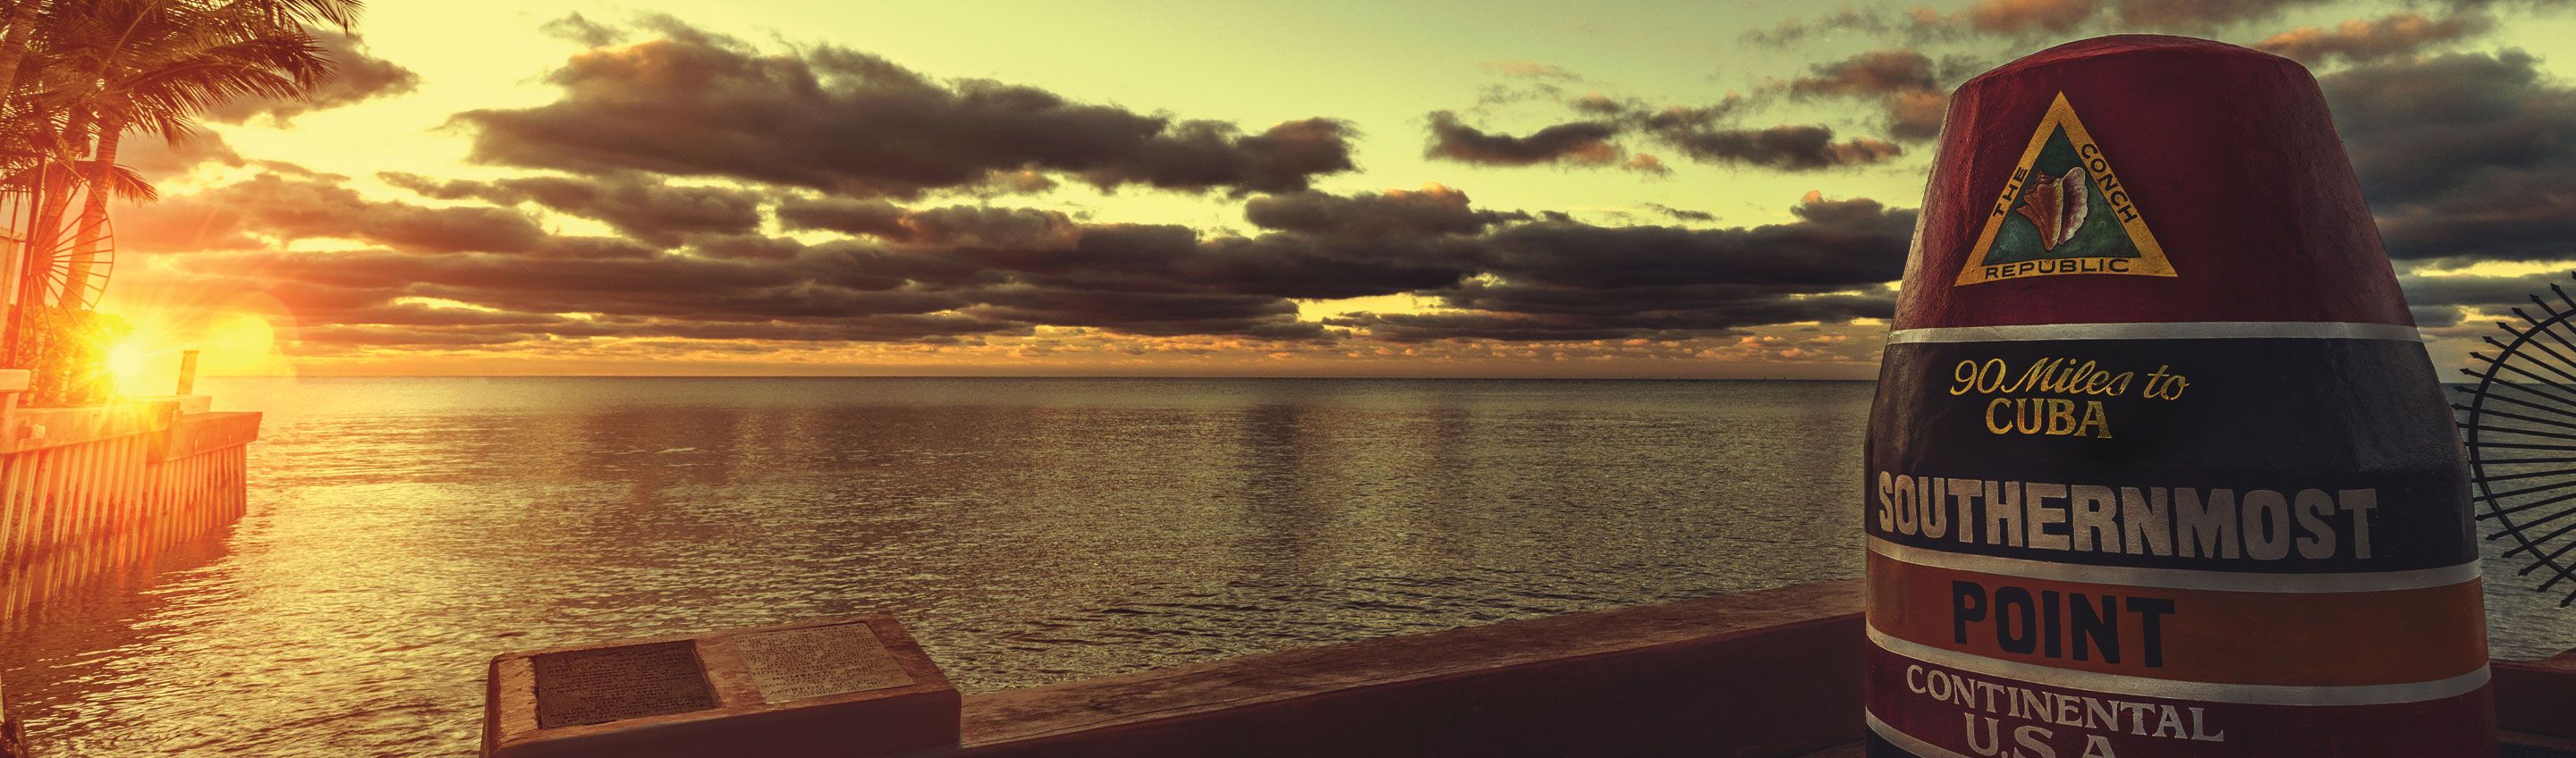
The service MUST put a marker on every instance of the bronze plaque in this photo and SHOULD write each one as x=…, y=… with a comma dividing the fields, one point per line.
x=795, y=664
x=618, y=683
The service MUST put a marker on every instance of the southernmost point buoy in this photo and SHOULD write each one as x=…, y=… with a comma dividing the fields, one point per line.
x=2158, y=466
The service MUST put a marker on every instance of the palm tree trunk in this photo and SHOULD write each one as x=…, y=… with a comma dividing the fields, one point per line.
x=45, y=234
x=35, y=255
x=92, y=232
x=13, y=50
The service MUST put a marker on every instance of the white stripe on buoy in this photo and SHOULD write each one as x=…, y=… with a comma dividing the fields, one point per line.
x=2179, y=579
x=2176, y=330
x=2211, y=692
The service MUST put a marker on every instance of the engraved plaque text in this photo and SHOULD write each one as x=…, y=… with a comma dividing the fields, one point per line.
x=795, y=664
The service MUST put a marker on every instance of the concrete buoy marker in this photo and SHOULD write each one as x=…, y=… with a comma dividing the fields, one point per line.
x=2158, y=464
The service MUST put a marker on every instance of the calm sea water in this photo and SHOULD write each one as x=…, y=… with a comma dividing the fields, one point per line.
x=402, y=531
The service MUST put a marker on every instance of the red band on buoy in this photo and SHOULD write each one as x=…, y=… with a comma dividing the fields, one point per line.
x=2225, y=156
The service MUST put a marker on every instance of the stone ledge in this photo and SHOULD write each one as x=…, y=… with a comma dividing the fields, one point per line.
x=1768, y=673
x=2538, y=697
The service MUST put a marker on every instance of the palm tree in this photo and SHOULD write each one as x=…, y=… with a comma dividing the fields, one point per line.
x=78, y=76
x=13, y=48
x=21, y=24
x=157, y=65
x=292, y=13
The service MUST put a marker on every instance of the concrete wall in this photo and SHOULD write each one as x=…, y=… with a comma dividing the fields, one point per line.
x=2536, y=701
x=1766, y=674
x=1770, y=674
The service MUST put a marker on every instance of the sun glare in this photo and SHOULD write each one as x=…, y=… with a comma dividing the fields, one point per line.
x=145, y=362
x=129, y=366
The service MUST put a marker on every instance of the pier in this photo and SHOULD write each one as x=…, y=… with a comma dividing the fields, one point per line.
x=86, y=490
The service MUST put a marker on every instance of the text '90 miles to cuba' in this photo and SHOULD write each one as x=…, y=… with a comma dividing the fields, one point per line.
x=2018, y=409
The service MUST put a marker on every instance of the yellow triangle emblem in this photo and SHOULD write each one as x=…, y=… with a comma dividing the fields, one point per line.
x=2064, y=212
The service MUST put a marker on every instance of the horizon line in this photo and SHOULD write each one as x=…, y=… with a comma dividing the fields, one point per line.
x=1337, y=377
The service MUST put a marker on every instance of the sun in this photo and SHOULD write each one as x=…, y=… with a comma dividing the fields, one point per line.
x=241, y=343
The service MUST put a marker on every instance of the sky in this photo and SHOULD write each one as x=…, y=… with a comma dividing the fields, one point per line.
x=1719, y=190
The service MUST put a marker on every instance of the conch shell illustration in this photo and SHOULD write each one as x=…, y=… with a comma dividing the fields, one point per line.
x=2057, y=205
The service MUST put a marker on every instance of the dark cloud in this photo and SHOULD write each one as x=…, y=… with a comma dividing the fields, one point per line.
x=1584, y=143
x=640, y=206
x=991, y=227
x=1682, y=214
x=1526, y=81
x=1916, y=116
x=1869, y=74
x=1700, y=133
x=2041, y=19
x=276, y=207
x=872, y=216
x=2441, y=301
x=1578, y=282
x=1022, y=182
x=1905, y=83
x=1679, y=118
x=943, y=273
x=2434, y=317
x=847, y=144
x=1999, y=18
x=1599, y=104
x=1160, y=314
x=2400, y=33
x=355, y=77
x=1832, y=244
x=594, y=247
x=695, y=103
x=1433, y=210
x=2492, y=294
x=1792, y=31
x=575, y=28
x=660, y=288
x=156, y=159
x=1786, y=147
x=959, y=270
x=1518, y=90
x=957, y=225
x=1705, y=134
x=2467, y=156
x=2015, y=17
x=2199, y=15
x=1526, y=314
x=746, y=246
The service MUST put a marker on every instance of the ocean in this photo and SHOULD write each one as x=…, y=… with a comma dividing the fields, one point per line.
x=404, y=530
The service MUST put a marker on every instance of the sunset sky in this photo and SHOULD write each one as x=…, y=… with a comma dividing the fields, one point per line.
x=1189, y=188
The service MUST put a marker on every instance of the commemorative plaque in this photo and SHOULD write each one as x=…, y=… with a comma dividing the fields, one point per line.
x=2158, y=465
x=841, y=687
x=577, y=687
